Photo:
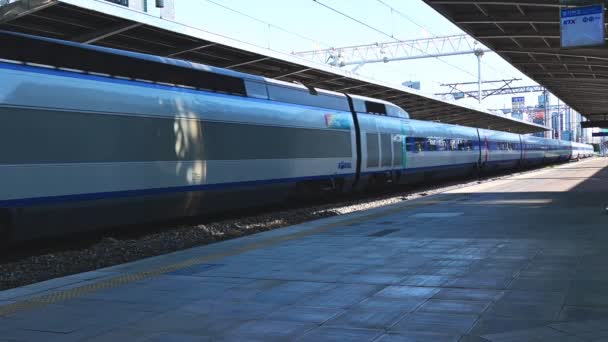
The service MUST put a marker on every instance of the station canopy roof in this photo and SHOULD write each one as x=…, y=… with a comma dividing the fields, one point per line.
x=110, y=25
x=527, y=34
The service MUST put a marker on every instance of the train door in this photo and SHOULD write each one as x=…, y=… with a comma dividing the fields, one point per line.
x=373, y=160
x=484, y=149
x=399, y=146
x=370, y=143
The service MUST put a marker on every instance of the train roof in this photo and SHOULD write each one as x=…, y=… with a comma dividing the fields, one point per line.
x=74, y=56
x=36, y=49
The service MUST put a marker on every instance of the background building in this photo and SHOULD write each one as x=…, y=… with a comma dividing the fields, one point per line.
x=149, y=6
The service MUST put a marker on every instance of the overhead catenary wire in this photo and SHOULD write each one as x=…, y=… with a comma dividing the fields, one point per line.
x=406, y=17
x=409, y=19
x=384, y=33
x=270, y=24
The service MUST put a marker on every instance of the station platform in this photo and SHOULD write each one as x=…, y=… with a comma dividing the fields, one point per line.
x=523, y=258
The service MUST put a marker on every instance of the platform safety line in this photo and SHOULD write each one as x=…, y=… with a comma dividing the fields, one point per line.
x=64, y=295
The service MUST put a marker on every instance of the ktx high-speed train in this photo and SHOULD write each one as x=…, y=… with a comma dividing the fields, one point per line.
x=94, y=137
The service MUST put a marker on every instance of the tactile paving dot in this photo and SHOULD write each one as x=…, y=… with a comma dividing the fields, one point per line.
x=383, y=232
x=437, y=215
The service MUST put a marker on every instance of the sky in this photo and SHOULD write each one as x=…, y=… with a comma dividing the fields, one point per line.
x=301, y=25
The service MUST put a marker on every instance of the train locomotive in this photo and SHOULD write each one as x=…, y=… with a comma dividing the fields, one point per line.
x=94, y=137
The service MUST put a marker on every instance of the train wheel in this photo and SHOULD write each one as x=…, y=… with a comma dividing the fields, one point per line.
x=5, y=229
x=4, y=234
x=480, y=170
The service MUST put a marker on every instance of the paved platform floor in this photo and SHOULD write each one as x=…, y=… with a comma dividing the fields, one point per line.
x=519, y=259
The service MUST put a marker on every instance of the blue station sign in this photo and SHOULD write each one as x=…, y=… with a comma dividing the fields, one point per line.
x=582, y=26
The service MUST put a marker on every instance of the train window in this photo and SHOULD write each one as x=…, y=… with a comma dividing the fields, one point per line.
x=432, y=145
x=301, y=95
x=256, y=89
x=450, y=144
x=418, y=144
x=463, y=145
x=438, y=144
x=409, y=144
x=396, y=112
x=375, y=108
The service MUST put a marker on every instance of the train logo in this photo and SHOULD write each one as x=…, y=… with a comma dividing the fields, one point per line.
x=398, y=138
x=337, y=121
x=344, y=165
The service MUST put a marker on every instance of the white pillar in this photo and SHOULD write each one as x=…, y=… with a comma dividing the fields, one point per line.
x=479, y=53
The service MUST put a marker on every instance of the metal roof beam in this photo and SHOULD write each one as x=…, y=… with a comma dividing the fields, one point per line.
x=483, y=11
x=253, y=61
x=497, y=2
x=555, y=74
x=518, y=36
x=430, y=110
x=93, y=37
x=292, y=73
x=331, y=79
x=193, y=47
x=570, y=64
x=569, y=80
x=354, y=87
x=544, y=17
x=556, y=82
x=39, y=29
x=558, y=53
x=63, y=20
x=391, y=98
x=383, y=91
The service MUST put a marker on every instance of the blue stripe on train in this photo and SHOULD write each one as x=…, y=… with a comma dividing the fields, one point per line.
x=159, y=191
x=154, y=191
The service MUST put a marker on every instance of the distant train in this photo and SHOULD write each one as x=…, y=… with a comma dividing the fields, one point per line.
x=92, y=137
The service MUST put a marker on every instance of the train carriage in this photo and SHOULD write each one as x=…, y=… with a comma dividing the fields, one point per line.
x=565, y=150
x=442, y=150
x=499, y=150
x=93, y=137
x=580, y=150
x=383, y=128
x=533, y=150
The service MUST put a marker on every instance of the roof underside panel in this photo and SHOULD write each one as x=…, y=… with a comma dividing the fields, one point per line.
x=527, y=34
x=105, y=24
